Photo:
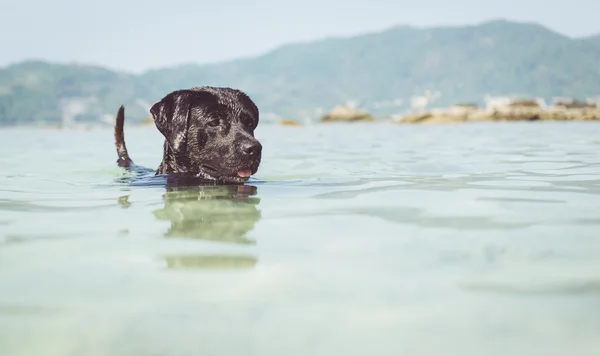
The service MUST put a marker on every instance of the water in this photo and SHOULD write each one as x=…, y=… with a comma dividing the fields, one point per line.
x=389, y=239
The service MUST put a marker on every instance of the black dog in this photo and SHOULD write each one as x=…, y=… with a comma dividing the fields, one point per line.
x=209, y=135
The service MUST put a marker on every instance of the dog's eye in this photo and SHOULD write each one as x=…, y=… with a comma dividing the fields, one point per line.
x=248, y=122
x=213, y=123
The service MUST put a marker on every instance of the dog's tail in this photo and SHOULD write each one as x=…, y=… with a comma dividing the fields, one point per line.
x=124, y=160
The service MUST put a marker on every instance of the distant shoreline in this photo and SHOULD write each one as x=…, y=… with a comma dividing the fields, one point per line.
x=389, y=122
x=519, y=110
x=516, y=110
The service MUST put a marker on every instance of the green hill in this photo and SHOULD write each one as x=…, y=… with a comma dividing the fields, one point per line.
x=461, y=64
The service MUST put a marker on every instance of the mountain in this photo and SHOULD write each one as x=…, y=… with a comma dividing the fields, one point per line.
x=593, y=40
x=378, y=71
x=36, y=91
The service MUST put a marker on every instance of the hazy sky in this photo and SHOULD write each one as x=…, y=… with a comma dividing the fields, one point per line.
x=139, y=34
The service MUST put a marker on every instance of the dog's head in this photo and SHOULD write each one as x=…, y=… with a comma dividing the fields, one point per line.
x=209, y=132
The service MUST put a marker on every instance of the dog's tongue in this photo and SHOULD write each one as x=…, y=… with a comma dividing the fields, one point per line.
x=245, y=173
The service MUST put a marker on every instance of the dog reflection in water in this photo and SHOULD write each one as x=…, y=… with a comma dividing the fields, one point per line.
x=219, y=213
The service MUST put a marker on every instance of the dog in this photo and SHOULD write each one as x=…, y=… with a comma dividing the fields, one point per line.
x=208, y=135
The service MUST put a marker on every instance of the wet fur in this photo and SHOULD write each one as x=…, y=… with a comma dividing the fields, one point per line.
x=209, y=135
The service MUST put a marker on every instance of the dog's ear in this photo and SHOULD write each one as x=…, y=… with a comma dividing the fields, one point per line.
x=171, y=115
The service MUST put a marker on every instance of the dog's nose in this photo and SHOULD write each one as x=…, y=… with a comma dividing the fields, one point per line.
x=251, y=148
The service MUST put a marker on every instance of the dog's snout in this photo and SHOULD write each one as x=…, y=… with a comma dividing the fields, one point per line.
x=251, y=148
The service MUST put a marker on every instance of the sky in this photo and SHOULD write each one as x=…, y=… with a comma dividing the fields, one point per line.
x=135, y=36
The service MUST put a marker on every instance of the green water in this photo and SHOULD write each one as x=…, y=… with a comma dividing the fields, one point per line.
x=361, y=239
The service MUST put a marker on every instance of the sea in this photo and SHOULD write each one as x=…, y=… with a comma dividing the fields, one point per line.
x=351, y=239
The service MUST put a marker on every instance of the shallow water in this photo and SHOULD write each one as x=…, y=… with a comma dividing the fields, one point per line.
x=478, y=239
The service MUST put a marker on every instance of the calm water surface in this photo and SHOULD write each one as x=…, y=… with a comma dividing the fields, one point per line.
x=478, y=239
